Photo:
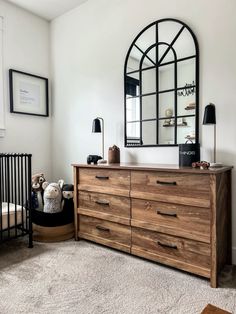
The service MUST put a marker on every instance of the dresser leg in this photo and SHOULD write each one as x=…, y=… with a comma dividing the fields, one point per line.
x=214, y=281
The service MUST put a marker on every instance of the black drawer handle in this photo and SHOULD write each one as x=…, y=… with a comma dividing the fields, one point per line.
x=102, y=228
x=104, y=203
x=166, y=183
x=169, y=246
x=166, y=214
x=102, y=177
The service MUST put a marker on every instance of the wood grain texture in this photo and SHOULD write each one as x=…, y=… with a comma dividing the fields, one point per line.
x=211, y=309
x=76, y=217
x=156, y=167
x=197, y=238
x=220, y=224
x=53, y=234
x=177, y=252
x=105, y=232
x=180, y=188
x=108, y=207
x=116, y=182
x=184, y=221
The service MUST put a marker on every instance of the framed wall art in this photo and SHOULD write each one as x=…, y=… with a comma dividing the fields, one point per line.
x=28, y=94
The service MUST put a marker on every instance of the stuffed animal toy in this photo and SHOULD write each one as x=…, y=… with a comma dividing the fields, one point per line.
x=37, y=191
x=52, y=197
x=93, y=159
x=67, y=197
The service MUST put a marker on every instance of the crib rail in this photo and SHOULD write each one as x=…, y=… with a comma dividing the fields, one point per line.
x=15, y=196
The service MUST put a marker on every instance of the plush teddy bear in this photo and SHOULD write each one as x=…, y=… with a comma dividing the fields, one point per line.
x=52, y=197
x=67, y=197
x=37, y=191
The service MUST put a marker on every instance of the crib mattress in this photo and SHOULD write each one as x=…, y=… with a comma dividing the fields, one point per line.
x=13, y=219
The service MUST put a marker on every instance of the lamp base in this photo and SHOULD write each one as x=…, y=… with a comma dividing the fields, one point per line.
x=214, y=165
x=102, y=161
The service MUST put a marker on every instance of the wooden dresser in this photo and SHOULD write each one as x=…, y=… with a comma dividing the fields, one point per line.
x=179, y=217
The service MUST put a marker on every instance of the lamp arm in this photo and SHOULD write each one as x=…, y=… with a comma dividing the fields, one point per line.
x=214, y=143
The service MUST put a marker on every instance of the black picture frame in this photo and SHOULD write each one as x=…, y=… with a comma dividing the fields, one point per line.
x=15, y=108
x=139, y=143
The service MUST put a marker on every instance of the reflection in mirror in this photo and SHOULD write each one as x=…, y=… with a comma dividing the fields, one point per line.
x=134, y=60
x=186, y=129
x=166, y=132
x=149, y=59
x=167, y=30
x=148, y=81
x=149, y=132
x=167, y=105
x=133, y=133
x=162, y=86
x=166, y=77
x=149, y=107
x=147, y=39
x=185, y=46
x=132, y=109
x=186, y=72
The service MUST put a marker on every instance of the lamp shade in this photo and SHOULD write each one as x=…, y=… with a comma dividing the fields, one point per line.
x=210, y=114
x=96, y=126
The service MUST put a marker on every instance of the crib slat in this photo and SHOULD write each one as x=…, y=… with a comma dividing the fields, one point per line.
x=15, y=189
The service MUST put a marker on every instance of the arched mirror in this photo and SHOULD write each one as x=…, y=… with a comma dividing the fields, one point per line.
x=162, y=86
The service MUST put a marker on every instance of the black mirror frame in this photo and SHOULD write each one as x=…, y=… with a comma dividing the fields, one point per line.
x=196, y=83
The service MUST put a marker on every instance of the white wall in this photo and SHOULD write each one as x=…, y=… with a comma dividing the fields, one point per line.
x=26, y=48
x=89, y=45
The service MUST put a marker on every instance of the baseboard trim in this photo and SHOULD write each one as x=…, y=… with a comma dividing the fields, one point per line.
x=234, y=255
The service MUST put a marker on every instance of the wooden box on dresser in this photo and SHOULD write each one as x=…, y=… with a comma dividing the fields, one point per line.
x=179, y=217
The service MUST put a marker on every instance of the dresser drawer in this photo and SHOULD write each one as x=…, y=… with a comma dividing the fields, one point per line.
x=105, y=206
x=179, y=220
x=181, y=188
x=105, y=232
x=178, y=252
x=116, y=182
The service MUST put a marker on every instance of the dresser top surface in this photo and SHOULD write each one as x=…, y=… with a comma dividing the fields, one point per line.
x=155, y=167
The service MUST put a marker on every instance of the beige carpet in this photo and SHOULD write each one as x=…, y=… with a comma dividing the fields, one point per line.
x=84, y=278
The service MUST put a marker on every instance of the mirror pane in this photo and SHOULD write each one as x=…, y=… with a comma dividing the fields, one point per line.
x=150, y=59
x=166, y=133
x=167, y=31
x=186, y=72
x=169, y=56
x=149, y=132
x=186, y=104
x=149, y=107
x=134, y=60
x=166, y=105
x=149, y=81
x=132, y=85
x=133, y=133
x=132, y=109
x=185, y=130
x=147, y=39
x=184, y=45
x=166, y=77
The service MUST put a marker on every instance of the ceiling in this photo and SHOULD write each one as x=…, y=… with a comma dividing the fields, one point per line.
x=48, y=9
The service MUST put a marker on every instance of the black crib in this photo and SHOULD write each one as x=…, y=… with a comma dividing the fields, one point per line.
x=15, y=196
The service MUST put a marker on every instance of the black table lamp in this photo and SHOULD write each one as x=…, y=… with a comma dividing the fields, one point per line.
x=210, y=118
x=97, y=128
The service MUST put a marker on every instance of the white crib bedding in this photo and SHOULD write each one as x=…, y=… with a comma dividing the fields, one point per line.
x=13, y=219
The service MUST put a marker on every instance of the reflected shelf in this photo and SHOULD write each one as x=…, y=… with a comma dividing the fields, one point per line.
x=173, y=125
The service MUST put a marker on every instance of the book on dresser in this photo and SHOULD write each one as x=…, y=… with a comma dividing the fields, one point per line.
x=179, y=217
